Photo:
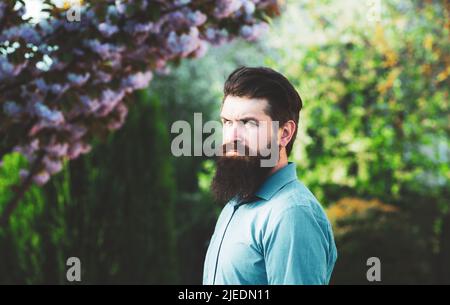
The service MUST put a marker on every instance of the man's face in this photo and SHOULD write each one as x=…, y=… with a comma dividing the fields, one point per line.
x=245, y=120
x=247, y=133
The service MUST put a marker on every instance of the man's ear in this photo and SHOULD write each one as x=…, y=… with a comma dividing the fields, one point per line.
x=287, y=132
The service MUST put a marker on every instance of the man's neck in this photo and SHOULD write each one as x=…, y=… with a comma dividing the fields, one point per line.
x=279, y=166
x=281, y=163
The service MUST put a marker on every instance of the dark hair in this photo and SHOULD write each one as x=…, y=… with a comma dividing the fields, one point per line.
x=265, y=83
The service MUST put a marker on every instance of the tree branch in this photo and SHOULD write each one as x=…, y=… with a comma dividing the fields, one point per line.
x=14, y=202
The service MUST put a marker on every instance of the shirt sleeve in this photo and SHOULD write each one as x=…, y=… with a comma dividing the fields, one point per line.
x=295, y=249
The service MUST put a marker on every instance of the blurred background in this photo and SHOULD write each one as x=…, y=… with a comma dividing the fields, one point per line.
x=373, y=146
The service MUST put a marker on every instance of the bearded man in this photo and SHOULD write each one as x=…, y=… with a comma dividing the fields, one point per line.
x=272, y=230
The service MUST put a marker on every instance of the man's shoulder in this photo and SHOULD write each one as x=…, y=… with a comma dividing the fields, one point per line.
x=295, y=197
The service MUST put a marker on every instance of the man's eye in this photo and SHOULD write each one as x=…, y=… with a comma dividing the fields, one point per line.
x=250, y=122
x=226, y=122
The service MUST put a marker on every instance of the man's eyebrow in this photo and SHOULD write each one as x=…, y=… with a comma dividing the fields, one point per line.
x=248, y=118
x=244, y=118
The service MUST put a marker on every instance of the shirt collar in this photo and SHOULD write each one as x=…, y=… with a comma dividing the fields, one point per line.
x=274, y=182
x=277, y=180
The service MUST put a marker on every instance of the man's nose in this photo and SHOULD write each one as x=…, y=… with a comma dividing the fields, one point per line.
x=234, y=132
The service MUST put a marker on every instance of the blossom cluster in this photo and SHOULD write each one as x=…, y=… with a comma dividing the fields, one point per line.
x=63, y=83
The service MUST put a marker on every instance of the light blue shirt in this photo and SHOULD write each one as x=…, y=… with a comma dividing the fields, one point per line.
x=283, y=237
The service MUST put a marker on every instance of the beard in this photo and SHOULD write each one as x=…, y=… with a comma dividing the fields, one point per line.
x=239, y=176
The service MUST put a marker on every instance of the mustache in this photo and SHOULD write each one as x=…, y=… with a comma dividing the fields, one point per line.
x=241, y=148
x=236, y=145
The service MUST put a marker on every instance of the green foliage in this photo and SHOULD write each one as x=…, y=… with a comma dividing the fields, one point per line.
x=372, y=146
x=113, y=209
x=22, y=246
x=375, y=125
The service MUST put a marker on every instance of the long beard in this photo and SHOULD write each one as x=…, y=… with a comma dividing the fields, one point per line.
x=239, y=176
